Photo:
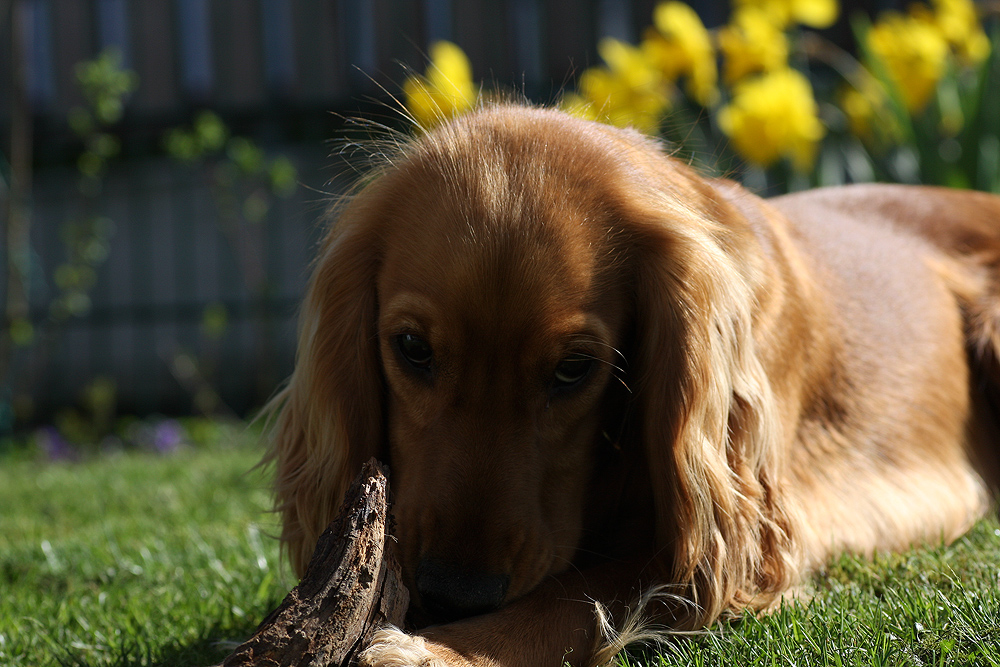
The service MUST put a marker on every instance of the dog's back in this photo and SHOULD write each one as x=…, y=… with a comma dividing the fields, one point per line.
x=912, y=274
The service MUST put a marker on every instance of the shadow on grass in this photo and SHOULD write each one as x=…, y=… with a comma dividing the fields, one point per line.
x=210, y=649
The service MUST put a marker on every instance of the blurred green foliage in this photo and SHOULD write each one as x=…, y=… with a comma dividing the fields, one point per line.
x=244, y=181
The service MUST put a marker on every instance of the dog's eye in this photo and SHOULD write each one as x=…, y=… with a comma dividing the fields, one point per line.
x=572, y=370
x=415, y=350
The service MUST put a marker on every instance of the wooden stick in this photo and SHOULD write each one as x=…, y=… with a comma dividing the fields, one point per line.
x=352, y=587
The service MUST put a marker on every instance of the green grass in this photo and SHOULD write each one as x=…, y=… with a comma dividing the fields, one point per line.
x=134, y=560
x=931, y=606
x=140, y=559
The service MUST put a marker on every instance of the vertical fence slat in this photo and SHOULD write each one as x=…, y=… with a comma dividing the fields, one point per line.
x=357, y=32
x=319, y=52
x=438, y=23
x=185, y=216
x=526, y=20
x=571, y=38
x=113, y=28
x=481, y=30
x=278, y=46
x=400, y=40
x=193, y=28
x=72, y=40
x=237, y=34
x=614, y=19
x=147, y=380
x=156, y=57
x=40, y=59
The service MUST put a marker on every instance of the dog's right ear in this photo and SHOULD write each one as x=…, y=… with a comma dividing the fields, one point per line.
x=329, y=418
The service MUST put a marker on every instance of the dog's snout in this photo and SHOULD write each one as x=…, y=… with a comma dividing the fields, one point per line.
x=450, y=592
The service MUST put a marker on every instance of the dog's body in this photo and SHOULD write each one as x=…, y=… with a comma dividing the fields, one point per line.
x=593, y=372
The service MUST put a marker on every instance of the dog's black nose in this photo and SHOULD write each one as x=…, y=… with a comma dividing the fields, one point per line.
x=449, y=592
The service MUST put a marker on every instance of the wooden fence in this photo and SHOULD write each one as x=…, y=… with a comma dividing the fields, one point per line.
x=190, y=306
x=245, y=55
x=274, y=69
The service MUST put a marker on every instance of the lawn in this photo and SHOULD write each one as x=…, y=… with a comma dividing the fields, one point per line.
x=135, y=559
x=146, y=559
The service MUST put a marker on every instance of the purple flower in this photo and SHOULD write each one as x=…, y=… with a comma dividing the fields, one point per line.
x=56, y=447
x=167, y=436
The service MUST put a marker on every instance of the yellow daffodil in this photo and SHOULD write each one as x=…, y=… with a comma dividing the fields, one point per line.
x=445, y=90
x=681, y=46
x=959, y=23
x=774, y=116
x=629, y=92
x=867, y=109
x=915, y=55
x=751, y=43
x=812, y=13
x=860, y=110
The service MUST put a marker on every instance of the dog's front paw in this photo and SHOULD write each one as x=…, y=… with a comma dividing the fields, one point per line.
x=391, y=647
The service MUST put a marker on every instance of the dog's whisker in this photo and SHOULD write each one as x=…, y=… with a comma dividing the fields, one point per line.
x=583, y=338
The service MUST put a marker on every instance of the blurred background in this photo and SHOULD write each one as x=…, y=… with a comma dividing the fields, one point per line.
x=166, y=164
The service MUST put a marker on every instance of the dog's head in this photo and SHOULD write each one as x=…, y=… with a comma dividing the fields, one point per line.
x=486, y=315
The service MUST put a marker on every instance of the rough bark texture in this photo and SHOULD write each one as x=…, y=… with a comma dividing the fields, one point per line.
x=352, y=586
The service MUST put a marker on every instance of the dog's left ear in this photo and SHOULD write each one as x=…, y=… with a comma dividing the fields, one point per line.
x=710, y=425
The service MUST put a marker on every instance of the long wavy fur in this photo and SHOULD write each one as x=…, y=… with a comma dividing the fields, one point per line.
x=712, y=421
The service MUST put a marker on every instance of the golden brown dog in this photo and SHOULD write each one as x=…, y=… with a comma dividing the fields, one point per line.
x=593, y=372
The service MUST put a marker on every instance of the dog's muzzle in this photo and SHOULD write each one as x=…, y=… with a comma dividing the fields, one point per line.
x=449, y=592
